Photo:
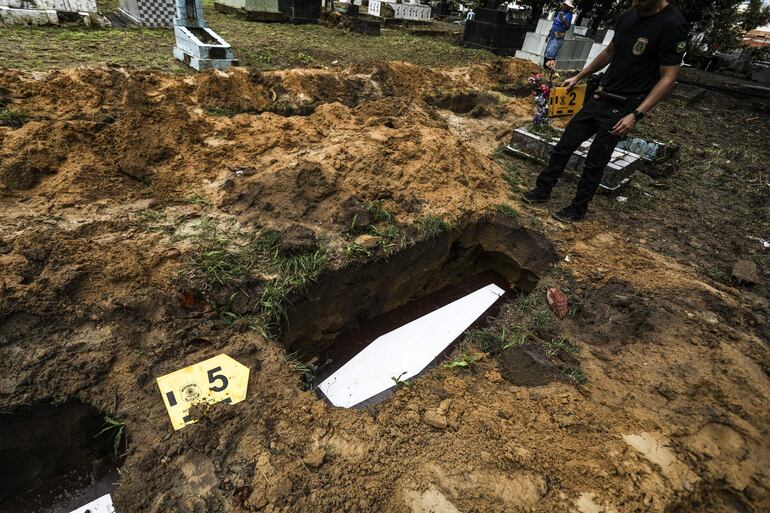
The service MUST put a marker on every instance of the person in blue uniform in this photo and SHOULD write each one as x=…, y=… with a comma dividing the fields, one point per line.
x=644, y=59
x=561, y=23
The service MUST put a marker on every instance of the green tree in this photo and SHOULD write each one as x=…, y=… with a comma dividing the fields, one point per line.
x=756, y=15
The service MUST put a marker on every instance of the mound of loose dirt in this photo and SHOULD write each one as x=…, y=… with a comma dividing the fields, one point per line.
x=169, y=139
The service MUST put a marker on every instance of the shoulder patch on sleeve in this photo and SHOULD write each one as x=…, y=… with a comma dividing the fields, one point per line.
x=681, y=46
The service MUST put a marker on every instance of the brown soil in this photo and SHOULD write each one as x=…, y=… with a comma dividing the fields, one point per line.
x=103, y=185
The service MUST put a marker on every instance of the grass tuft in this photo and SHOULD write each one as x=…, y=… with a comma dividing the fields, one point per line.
x=402, y=383
x=355, y=250
x=432, y=226
x=304, y=371
x=576, y=376
x=466, y=362
x=247, y=268
x=219, y=111
x=560, y=344
x=379, y=213
x=115, y=427
x=196, y=199
x=13, y=117
x=506, y=210
x=496, y=339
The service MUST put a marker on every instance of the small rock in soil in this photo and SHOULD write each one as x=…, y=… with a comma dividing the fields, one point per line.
x=258, y=497
x=297, y=239
x=354, y=215
x=443, y=408
x=558, y=301
x=368, y=241
x=143, y=204
x=315, y=458
x=745, y=271
x=171, y=254
x=437, y=417
x=280, y=489
x=432, y=418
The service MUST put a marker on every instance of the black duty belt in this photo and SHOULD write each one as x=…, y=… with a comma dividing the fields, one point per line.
x=600, y=94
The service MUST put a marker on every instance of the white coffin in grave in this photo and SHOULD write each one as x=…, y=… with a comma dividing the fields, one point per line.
x=406, y=351
x=413, y=11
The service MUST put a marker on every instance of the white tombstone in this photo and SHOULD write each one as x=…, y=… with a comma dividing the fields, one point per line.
x=196, y=44
x=148, y=13
x=572, y=54
x=597, y=48
x=51, y=12
x=411, y=10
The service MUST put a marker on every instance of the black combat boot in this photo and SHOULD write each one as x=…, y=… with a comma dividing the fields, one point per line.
x=569, y=214
x=536, y=195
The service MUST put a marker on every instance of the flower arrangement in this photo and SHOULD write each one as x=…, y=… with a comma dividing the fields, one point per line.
x=541, y=89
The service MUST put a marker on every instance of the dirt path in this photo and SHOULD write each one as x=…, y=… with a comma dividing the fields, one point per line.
x=121, y=187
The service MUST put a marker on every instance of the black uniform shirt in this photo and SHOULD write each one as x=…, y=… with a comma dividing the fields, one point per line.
x=642, y=45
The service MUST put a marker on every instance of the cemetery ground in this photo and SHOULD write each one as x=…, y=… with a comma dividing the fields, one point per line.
x=261, y=45
x=151, y=220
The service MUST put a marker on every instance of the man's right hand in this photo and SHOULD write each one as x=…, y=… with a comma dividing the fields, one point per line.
x=570, y=82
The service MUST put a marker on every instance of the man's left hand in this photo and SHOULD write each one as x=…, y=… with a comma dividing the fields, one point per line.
x=625, y=125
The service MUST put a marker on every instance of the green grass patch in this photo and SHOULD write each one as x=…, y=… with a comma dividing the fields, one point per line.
x=560, y=344
x=402, y=383
x=506, y=210
x=219, y=111
x=356, y=250
x=466, y=362
x=115, y=429
x=497, y=339
x=149, y=219
x=545, y=131
x=576, y=376
x=248, y=271
x=264, y=46
x=431, y=226
x=304, y=371
x=390, y=236
x=379, y=213
x=13, y=117
x=196, y=199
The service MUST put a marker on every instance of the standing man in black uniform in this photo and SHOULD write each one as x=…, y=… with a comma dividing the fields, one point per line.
x=644, y=58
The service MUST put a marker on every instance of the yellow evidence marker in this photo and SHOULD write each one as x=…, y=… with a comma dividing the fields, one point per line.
x=216, y=380
x=565, y=103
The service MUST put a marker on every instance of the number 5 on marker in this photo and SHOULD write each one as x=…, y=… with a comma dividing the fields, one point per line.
x=218, y=379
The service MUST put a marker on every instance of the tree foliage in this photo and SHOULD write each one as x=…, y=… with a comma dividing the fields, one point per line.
x=720, y=20
x=756, y=15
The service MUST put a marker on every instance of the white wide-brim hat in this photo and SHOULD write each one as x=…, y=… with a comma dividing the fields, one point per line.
x=569, y=4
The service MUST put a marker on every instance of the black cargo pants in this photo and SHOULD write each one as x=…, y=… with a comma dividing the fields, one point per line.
x=597, y=116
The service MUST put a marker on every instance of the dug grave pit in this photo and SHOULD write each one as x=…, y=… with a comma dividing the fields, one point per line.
x=349, y=308
x=56, y=458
